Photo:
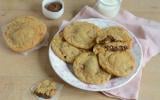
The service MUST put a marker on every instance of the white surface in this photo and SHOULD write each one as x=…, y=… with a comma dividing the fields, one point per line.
x=50, y=14
x=63, y=71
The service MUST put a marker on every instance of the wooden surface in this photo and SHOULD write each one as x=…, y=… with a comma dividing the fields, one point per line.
x=18, y=73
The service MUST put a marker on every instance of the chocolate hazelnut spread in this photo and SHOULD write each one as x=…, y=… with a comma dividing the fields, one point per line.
x=54, y=6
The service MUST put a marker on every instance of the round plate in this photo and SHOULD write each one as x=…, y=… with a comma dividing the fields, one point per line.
x=63, y=69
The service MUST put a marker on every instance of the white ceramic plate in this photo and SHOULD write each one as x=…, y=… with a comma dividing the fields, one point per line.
x=63, y=69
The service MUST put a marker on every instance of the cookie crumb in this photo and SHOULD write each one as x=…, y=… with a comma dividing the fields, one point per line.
x=46, y=89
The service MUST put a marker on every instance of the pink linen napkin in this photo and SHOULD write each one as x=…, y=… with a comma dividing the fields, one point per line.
x=147, y=33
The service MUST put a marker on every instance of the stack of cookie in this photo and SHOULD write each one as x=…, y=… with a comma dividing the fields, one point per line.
x=96, y=54
x=113, y=49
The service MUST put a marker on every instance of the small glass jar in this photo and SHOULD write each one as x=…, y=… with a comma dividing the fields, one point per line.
x=109, y=8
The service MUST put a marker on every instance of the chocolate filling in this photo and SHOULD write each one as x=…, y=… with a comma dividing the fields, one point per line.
x=42, y=95
x=116, y=48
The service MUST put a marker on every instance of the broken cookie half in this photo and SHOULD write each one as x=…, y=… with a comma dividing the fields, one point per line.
x=113, y=39
x=45, y=89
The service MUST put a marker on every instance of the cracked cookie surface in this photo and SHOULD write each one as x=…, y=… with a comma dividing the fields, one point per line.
x=63, y=49
x=24, y=33
x=87, y=69
x=81, y=34
x=120, y=63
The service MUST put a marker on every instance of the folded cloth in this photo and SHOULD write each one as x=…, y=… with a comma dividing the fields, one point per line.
x=147, y=32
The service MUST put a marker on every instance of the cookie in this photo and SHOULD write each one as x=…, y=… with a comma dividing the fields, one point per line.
x=114, y=34
x=98, y=49
x=120, y=63
x=63, y=49
x=81, y=34
x=87, y=69
x=45, y=89
x=24, y=33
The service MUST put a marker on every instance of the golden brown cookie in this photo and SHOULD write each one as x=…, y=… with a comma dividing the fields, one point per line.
x=45, y=89
x=24, y=33
x=120, y=63
x=63, y=49
x=87, y=69
x=114, y=34
x=98, y=49
x=81, y=34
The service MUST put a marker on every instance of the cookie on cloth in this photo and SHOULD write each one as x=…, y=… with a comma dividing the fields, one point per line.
x=119, y=63
x=24, y=33
x=87, y=69
x=81, y=34
x=63, y=49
